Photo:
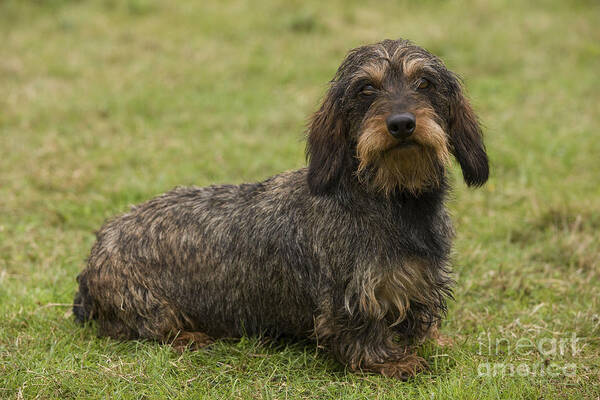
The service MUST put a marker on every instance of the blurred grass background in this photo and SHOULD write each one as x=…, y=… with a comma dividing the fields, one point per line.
x=106, y=103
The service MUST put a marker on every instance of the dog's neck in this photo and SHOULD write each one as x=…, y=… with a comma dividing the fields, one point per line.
x=351, y=191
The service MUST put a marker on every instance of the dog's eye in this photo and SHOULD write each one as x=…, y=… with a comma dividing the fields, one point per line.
x=368, y=91
x=423, y=83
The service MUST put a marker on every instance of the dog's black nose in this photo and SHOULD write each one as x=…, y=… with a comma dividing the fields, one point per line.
x=401, y=125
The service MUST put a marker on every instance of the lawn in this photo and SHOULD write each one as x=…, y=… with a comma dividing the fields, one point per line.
x=107, y=103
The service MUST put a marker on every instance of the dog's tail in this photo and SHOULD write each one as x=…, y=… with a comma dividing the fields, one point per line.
x=82, y=305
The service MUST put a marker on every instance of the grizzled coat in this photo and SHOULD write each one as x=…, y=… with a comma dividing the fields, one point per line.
x=254, y=258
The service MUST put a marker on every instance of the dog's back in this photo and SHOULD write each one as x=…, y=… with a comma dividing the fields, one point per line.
x=205, y=259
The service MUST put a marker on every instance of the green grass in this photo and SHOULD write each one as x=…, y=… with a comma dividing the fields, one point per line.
x=107, y=103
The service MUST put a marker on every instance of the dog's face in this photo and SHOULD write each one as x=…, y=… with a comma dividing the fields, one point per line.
x=394, y=114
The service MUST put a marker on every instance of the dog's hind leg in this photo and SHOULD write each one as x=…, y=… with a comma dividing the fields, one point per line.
x=126, y=307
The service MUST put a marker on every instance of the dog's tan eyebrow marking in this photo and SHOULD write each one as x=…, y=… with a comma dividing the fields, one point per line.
x=412, y=63
x=412, y=67
x=374, y=71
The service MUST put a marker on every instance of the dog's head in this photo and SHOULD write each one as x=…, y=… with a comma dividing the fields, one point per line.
x=393, y=114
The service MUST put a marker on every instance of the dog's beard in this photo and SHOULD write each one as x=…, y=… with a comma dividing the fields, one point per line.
x=413, y=169
x=386, y=165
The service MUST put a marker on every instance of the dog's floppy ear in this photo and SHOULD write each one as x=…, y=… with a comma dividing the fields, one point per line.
x=327, y=145
x=466, y=140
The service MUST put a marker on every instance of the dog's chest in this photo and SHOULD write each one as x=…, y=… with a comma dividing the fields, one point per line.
x=388, y=293
x=406, y=263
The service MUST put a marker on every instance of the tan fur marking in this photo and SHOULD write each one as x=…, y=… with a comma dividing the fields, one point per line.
x=190, y=341
x=412, y=66
x=388, y=293
x=411, y=168
x=404, y=367
x=398, y=53
x=374, y=71
x=383, y=52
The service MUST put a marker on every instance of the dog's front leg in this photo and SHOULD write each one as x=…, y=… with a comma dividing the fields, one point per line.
x=371, y=348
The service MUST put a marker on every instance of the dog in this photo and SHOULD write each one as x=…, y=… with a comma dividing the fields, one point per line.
x=351, y=252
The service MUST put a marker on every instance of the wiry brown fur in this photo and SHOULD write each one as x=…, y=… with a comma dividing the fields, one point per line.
x=351, y=252
x=411, y=168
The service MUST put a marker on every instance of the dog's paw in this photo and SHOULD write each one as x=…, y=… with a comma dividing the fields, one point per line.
x=190, y=341
x=404, y=368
